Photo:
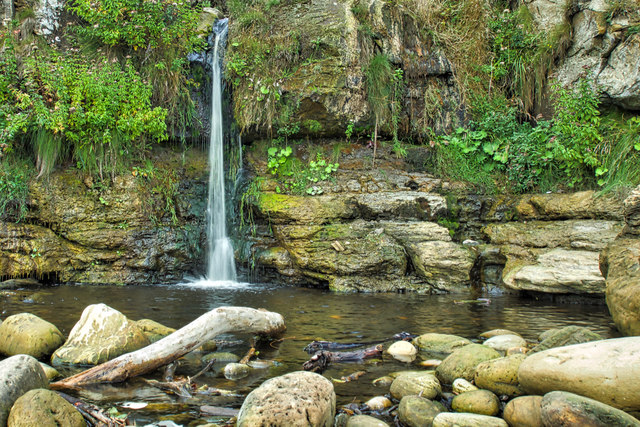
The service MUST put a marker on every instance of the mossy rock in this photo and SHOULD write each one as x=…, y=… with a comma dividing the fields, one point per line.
x=26, y=333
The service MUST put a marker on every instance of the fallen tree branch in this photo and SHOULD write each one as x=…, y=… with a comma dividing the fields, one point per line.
x=204, y=328
x=322, y=359
x=315, y=346
x=91, y=413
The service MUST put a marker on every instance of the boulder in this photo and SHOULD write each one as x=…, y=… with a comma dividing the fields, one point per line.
x=18, y=375
x=414, y=383
x=153, y=330
x=620, y=263
x=523, y=411
x=560, y=408
x=563, y=206
x=502, y=343
x=565, y=336
x=365, y=421
x=386, y=205
x=455, y=419
x=297, y=398
x=403, y=351
x=500, y=375
x=481, y=402
x=439, y=344
x=26, y=333
x=415, y=411
x=101, y=334
x=604, y=370
x=44, y=408
x=462, y=362
x=444, y=265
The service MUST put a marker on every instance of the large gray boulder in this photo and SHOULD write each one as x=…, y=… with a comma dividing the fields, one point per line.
x=560, y=408
x=604, y=370
x=297, y=398
x=462, y=363
x=18, y=375
x=44, y=408
x=26, y=333
x=101, y=334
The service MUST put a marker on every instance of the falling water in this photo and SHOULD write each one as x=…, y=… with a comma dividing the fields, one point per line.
x=221, y=264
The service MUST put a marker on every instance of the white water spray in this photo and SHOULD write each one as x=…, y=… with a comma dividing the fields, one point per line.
x=221, y=264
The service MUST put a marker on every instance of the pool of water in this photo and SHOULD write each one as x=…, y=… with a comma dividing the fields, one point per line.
x=310, y=314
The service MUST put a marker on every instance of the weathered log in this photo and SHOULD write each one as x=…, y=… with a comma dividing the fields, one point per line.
x=206, y=327
x=322, y=359
x=315, y=346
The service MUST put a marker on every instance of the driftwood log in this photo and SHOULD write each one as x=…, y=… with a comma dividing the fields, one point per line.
x=322, y=359
x=206, y=327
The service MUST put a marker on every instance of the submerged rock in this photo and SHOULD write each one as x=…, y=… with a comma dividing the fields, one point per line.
x=26, y=333
x=18, y=375
x=101, y=334
x=481, y=402
x=462, y=363
x=414, y=383
x=297, y=398
x=434, y=343
x=602, y=370
x=44, y=408
x=565, y=336
x=523, y=411
x=236, y=371
x=415, y=411
x=560, y=408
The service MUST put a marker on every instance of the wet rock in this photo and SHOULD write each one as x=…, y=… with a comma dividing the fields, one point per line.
x=620, y=263
x=433, y=343
x=481, y=402
x=502, y=343
x=566, y=336
x=289, y=209
x=101, y=334
x=415, y=411
x=18, y=375
x=26, y=333
x=410, y=383
x=460, y=385
x=500, y=375
x=19, y=283
x=462, y=362
x=403, y=351
x=385, y=381
x=153, y=330
x=378, y=403
x=587, y=369
x=221, y=357
x=560, y=408
x=49, y=371
x=495, y=332
x=365, y=421
x=44, y=408
x=453, y=419
x=517, y=350
x=236, y=371
x=632, y=212
x=523, y=411
x=297, y=398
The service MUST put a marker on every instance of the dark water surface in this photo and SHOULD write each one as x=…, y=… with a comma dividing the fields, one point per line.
x=309, y=314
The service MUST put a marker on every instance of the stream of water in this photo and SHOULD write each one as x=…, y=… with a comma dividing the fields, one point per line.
x=309, y=314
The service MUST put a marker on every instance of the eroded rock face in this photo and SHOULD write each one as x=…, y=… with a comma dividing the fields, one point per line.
x=587, y=369
x=297, y=398
x=26, y=333
x=44, y=408
x=101, y=334
x=18, y=375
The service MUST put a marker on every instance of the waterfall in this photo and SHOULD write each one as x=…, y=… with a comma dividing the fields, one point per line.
x=221, y=263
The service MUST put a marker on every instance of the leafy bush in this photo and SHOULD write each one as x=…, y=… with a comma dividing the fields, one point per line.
x=14, y=189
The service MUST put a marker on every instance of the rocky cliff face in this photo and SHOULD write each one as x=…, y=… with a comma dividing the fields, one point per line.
x=79, y=231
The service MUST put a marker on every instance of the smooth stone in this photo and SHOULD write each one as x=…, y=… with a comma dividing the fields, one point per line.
x=502, y=343
x=424, y=384
x=385, y=381
x=18, y=375
x=546, y=334
x=221, y=357
x=236, y=371
x=44, y=408
x=26, y=333
x=481, y=402
x=49, y=371
x=523, y=411
x=500, y=375
x=297, y=398
x=566, y=336
x=606, y=370
x=495, y=332
x=433, y=343
x=560, y=408
x=365, y=421
x=462, y=362
x=378, y=403
x=430, y=363
x=458, y=419
x=403, y=351
x=517, y=350
x=415, y=411
x=101, y=334
x=460, y=385
x=153, y=330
